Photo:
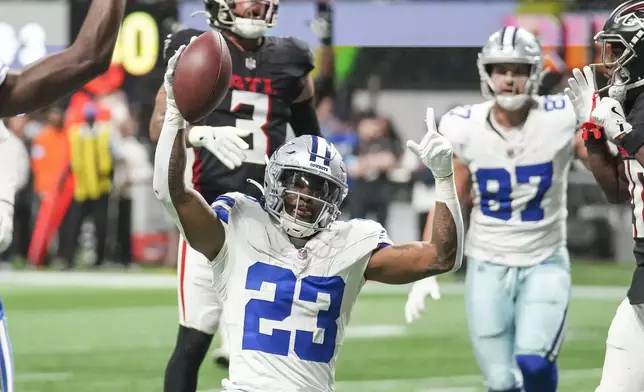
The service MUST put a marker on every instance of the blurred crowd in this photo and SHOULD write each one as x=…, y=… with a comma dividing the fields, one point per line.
x=83, y=158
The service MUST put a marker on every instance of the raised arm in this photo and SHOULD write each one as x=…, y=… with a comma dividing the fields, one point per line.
x=400, y=264
x=62, y=73
x=198, y=223
x=462, y=181
x=599, y=121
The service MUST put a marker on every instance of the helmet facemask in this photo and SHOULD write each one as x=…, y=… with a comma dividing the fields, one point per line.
x=616, y=55
x=517, y=100
x=303, y=202
x=220, y=15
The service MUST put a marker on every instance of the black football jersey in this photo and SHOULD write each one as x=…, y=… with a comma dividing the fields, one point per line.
x=264, y=84
x=635, y=175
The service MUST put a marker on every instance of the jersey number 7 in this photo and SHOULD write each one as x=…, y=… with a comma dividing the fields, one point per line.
x=278, y=341
x=495, y=189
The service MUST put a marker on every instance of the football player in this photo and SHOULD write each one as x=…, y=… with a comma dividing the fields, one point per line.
x=513, y=152
x=287, y=272
x=270, y=88
x=619, y=118
x=37, y=85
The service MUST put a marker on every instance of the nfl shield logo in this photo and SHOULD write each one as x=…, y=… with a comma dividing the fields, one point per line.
x=302, y=254
x=250, y=63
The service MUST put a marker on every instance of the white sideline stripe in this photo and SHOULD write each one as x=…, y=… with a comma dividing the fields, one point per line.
x=374, y=331
x=462, y=383
x=138, y=280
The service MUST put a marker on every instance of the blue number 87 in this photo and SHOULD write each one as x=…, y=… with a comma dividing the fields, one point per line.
x=554, y=102
x=497, y=203
x=278, y=342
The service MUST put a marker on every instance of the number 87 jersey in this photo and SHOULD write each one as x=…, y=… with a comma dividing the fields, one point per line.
x=519, y=179
x=264, y=84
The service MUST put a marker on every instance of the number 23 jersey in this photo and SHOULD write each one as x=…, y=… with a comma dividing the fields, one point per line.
x=286, y=310
x=264, y=84
x=519, y=179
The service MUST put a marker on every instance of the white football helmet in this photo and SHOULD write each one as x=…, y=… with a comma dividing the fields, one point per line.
x=304, y=185
x=511, y=45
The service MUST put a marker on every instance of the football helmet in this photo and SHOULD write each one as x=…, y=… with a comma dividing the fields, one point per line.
x=221, y=16
x=511, y=45
x=622, y=49
x=304, y=185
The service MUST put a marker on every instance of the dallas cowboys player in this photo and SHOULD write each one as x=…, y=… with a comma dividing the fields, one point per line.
x=514, y=152
x=287, y=272
x=271, y=87
x=619, y=118
x=42, y=83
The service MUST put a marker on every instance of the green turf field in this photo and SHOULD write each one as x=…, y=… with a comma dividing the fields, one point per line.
x=71, y=338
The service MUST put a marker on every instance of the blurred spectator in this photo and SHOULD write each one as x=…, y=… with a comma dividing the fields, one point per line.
x=49, y=151
x=134, y=171
x=93, y=137
x=377, y=152
x=335, y=131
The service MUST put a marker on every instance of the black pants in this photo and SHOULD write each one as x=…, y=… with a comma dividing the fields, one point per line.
x=124, y=234
x=70, y=229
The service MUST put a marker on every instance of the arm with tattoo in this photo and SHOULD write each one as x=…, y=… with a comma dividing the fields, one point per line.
x=412, y=261
x=190, y=212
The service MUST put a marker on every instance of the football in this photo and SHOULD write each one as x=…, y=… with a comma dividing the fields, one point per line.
x=202, y=76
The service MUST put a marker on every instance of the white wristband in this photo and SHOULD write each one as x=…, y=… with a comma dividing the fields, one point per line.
x=446, y=189
x=174, y=118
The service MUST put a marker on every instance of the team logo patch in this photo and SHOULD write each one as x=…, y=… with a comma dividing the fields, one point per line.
x=302, y=254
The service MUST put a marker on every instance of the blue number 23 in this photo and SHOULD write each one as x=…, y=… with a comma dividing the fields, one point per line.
x=497, y=203
x=281, y=307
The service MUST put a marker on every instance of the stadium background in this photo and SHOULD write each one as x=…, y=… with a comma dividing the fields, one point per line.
x=113, y=328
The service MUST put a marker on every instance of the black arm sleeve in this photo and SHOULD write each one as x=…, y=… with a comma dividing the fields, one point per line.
x=304, y=120
x=324, y=87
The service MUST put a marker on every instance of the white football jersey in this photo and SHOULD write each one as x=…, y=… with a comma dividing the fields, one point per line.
x=286, y=309
x=519, y=179
x=3, y=75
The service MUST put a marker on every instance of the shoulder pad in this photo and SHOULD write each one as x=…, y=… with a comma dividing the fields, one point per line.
x=293, y=52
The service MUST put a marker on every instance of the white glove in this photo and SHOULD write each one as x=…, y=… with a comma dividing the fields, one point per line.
x=610, y=115
x=582, y=93
x=172, y=112
x=225, y=143
x=434, y=150
x=6, y=227
x=415, y=305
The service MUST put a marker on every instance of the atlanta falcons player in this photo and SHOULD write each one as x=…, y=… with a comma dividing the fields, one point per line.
x=270, y=88
x=37, y=85
x=619, y=118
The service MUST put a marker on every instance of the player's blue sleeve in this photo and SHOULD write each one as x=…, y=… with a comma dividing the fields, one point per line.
x=383, y=239
x=222, y=206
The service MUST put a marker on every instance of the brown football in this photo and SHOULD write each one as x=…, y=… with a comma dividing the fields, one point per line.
x=202, y=76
